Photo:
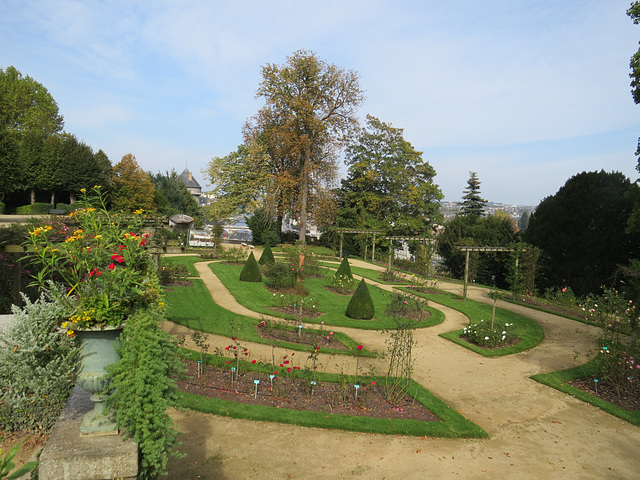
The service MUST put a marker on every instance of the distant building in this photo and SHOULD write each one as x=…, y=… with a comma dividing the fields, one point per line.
x=192, y=185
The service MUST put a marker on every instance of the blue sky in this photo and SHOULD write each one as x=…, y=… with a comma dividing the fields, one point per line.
x=526, y=94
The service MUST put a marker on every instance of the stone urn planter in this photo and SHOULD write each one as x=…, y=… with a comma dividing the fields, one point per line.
x=97, y=352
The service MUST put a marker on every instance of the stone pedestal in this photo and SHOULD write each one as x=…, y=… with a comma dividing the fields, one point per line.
x=69, y=456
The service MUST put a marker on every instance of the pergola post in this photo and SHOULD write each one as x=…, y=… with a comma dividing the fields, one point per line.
x=390, y=254
x=466, y=275
x=341, y=238
x=373, y=248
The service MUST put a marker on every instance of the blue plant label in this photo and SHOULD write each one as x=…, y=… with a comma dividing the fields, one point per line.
x=233, y=369
x=357, y=386
x=312, y=382
x=272, y=377
x=299, y=326
x=256, y=382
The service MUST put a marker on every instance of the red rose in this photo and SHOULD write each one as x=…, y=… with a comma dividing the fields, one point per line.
x=359, y=347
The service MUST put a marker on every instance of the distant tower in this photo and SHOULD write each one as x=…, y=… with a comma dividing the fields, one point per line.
x=192, y=185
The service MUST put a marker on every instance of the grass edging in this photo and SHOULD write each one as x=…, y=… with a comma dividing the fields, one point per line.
x=452, y=424
x=527, y=330
x=559, y=380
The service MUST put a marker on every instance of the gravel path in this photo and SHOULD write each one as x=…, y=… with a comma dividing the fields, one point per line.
x=536, y=432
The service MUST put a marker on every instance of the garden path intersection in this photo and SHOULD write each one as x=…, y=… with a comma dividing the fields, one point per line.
x=536, y=432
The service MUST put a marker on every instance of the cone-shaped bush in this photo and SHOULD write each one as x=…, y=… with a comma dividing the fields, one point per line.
x=361, y=306
x=251, y=271
x=267, y=256
x=344, y=269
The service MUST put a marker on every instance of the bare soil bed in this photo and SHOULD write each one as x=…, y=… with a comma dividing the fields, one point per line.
x=298, y=394
x=607, y=392
x=305, y=337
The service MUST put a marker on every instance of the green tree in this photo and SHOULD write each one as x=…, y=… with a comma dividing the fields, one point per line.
x=473, y=204
x=132, y=188
x=238, y=182
x=471, y=230
x=361, y=305
x=251, y=271
x=388, y=184
x=310, y=106
x=172, y=196
x=26, y=108
x=581, y=230
x=523, y=221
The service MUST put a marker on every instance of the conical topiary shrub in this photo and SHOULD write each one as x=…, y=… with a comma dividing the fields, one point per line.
x=251, y=271
x=361, y=306
x=344, y=269
x=267, y=256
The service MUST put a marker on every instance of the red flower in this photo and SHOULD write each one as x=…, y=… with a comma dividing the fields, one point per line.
x=373, y=383
x=111, y=266
x=275, y=372
x=286, y=361
x=253, y=361
x=228, y=361
x=359, y=347
x=281, y=365
x=233, y=338
x=289, y=370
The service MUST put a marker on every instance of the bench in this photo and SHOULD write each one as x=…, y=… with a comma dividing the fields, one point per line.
x=57, y=211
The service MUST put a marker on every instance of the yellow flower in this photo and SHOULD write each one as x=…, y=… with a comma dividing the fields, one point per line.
x=70, y=333
x=83, y=190
x=64, y=324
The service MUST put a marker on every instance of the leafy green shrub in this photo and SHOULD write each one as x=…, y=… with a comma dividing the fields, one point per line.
x=172, y=273
x=39, y=365
x=344, y=269
x=63, y=206
x=280, y=275
x=482, y=334
x=235, y=255
x=37, y=208
x=361, y=305
x=145, y=389
x=342, y=284
x=267, y=256
x=251, y=270
x=270, y=238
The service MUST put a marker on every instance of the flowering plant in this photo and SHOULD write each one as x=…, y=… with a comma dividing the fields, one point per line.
x=96, y=264
x=482, y=334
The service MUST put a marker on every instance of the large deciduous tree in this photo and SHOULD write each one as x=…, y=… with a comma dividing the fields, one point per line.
x=389, y=186
x=581, y=230
x=310, y=107
x=26, y=109
x=132, y=188
x=173, y=197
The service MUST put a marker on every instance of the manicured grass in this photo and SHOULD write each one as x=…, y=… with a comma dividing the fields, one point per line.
x=453, y=425
x=527, y=330
x=541, y=308
x=194, y=308
x=256, y=297
x=558, y=380
x=186, y=261
x=367, y=273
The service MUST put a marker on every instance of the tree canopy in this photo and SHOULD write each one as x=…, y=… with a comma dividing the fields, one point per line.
x=173, y=197
x=581, y=230
x=310, y=106
x=132, y=188
x=388, y=186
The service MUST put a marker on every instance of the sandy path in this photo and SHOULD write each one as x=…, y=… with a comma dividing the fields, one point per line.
x=536, y=432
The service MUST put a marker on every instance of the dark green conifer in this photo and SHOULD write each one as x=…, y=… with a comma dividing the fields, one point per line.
x=267, y=256
x=251, y=271
x=344, y=269
x=361, y=305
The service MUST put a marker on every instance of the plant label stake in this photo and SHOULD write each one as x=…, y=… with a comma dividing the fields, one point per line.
x=255, y=394
x=299, y=328
x=233, y=369
x=313, y=385
x=357, y=387
x=596, y=382
x=199, y=368
x=271, y=377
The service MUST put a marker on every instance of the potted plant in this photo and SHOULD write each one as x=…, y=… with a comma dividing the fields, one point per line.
x=97, y=266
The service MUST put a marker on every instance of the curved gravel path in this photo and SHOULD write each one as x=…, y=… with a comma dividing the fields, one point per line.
x=536, y=432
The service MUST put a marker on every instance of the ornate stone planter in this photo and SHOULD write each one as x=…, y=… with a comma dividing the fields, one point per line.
x=98, y=351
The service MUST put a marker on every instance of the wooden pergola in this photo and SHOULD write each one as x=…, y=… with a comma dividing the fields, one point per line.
x=342, y=231
x=406, y=239
x=479, y=249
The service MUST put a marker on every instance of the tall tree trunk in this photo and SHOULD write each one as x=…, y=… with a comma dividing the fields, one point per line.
x=304, y=196
x=72, y=198
x=53, y=199
x=33, y=196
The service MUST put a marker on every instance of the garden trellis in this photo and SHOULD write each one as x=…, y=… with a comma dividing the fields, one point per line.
x=481, y=249
x=342, y=231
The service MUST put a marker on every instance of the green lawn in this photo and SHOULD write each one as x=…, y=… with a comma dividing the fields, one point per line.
x=194, y=308
x=559, y=381
x=526, y=329
x=256, y=297
x=187, y=261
